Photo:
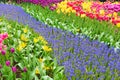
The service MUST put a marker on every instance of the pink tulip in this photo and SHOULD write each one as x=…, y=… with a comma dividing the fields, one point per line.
x=12, y=50
x=5, y=35
x=3, y=52
x=14, y=69
x=25, y=69
x=8, y=63
x=1, y=40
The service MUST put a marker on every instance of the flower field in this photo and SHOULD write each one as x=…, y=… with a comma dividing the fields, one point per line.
x=59, y=40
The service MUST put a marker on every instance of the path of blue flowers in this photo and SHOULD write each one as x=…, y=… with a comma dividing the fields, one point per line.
x=75, y=52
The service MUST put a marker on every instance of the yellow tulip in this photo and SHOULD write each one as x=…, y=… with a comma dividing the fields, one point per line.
x=109, y=15
x=35, y=40
x=25, y=30
x=19, y=48
x=37, y=71
x=46, y=48
x=115, y=14
x=23, y=44
x=41, y=38
x=73, y=11
x=23, y=38
x=118, y=24
x=46, y=68
x=40, y=60
x=86, y=6
x=102, y=12
x=82, y=15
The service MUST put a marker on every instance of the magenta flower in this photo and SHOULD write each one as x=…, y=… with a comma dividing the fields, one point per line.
x=12, y=50
x=5, y=35
x=1, y=40
x=25, y=69
x=52, y=7
x=14, y=69
x=3, y=52
x=8, y=63
x=0, y=48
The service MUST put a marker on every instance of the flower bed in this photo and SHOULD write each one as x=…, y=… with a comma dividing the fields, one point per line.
x=82, y=58
x=102, y=31
x=100, y=11
x=25, y=54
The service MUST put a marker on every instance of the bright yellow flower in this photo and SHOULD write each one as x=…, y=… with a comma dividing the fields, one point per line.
x=78, y=30
x=23, y=44
x=82, y=15
x=109, y=15
x=116, y=2
x=73, y=11
x=40, y=60
x=46, y=68
x=37, y=71
x=86, y=6
x=118, y=24
x=41, y=38
x=63, y=7
x=102, y=12
x=23, y=38
x=19, y=48
x=35, y=40
x=25, y=30
x=115, y=14
x=46, y=48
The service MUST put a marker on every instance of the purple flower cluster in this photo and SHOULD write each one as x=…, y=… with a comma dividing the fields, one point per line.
x=79, y=55
x=113, y=7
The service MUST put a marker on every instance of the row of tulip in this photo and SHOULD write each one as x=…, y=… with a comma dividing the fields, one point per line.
x=95, y=10
x=25, y=55
x=101, y=11
x=101, y=31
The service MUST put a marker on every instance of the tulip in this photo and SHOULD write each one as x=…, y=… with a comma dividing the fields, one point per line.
x=7, y=63
x=1, y=40
x=12, y=50
x=3, y=52
x=5, y=35
x=25, y=69
x=14, y=69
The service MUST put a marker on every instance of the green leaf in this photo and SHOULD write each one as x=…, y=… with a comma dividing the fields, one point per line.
x=46, y=78
x=20, y=65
